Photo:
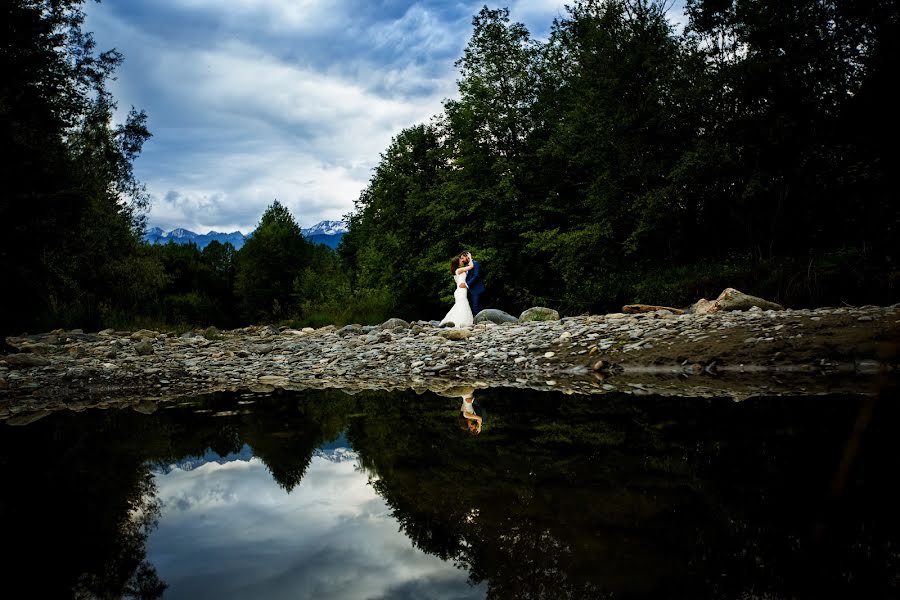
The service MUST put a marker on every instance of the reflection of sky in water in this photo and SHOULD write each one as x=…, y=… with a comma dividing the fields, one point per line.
x=229, y=531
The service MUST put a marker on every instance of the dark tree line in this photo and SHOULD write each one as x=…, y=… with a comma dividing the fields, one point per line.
x=620, y=161
x=277, y=276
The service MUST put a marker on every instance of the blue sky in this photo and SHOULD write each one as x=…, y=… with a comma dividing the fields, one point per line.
x=253, y=100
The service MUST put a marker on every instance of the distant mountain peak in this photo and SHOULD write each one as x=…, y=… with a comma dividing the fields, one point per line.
x=326, y=228
x=328, y=233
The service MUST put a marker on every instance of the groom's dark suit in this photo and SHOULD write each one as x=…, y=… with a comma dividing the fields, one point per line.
x=475, y=285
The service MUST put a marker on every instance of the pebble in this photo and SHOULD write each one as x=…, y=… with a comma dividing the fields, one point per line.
x=150, y=365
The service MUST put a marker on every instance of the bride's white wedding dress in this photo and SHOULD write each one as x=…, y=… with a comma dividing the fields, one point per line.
x=461, y=313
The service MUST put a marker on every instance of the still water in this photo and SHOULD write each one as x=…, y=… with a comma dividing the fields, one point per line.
x=397, y=495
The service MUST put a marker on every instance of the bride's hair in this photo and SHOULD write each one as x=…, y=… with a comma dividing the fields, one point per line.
x=454, y=264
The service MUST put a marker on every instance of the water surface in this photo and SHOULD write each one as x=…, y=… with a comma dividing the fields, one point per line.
x=390, y=495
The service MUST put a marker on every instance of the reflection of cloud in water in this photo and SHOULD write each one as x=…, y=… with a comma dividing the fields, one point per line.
x=228, y=530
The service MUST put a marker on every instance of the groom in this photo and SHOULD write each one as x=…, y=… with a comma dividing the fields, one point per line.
x=473, y=281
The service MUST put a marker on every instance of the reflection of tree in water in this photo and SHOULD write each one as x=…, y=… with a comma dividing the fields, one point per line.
x=87, y=502
x=80, y=520
x=561, y=497
x=639, y=497
x=285, y=441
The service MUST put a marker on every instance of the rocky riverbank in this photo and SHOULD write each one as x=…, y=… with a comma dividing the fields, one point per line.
x=738, y=354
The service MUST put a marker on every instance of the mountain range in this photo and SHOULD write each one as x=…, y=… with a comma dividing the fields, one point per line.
x=328, y=233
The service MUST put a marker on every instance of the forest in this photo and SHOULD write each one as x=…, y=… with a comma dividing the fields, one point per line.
x=619, y=160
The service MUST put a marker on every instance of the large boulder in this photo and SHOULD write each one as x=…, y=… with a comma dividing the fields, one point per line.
x=395, y=322
x=732, y=299
x=493, y=315
x=539, y=313
x=702, y=307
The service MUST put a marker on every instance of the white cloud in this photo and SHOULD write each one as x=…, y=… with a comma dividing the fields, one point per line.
x=237, y=125
x=229, y=531
x=255, y=100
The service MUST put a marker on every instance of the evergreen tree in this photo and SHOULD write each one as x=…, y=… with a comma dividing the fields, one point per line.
x=268, y=264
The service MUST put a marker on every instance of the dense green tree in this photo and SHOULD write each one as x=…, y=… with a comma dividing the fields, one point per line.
x=268, y=264
x=70, y=202
x=619, y=161
x=402, y=233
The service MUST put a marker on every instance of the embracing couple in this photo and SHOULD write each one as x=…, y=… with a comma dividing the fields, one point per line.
x=469, y=286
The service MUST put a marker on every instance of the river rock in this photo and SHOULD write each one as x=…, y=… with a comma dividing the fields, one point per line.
x=143, y=348
x=24, y=361
x=455, y=334
x=647, y=308
x=732, y=299
x=144, y=333
x=539, y=313
x=702, y=307
x=494, y=315
x=633, y=349
x=392, y=323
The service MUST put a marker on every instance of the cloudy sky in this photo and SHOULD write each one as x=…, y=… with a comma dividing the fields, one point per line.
x=228, y=531
x=255, y=100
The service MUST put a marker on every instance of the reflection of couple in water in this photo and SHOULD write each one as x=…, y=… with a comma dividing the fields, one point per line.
x=467, y=410
x=471, y=416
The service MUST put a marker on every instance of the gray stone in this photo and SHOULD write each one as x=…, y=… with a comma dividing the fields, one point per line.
x=392, y=323
x=144, y=348
x=275, y=380
x=455, y=334
x=732, y=299
x=24, y=361
x=494, y=315
x=539, y=313
x=144, y=333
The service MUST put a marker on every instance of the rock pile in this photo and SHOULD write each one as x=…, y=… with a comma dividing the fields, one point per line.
x=658, y=352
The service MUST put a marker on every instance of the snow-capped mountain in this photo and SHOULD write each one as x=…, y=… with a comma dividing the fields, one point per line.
x=326, y=228
x=328, y=233
x=189, y=463
x=186, y=236
x=336, y=451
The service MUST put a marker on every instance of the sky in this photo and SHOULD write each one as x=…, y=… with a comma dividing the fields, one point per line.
x=228, y=531
x=250, y=101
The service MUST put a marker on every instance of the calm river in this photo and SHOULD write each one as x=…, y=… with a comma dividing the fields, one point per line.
x=394, y=495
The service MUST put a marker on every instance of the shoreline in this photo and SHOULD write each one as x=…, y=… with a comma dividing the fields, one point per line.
x=739, y=354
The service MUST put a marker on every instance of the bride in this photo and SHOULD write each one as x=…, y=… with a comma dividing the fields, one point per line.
x=461, y=313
